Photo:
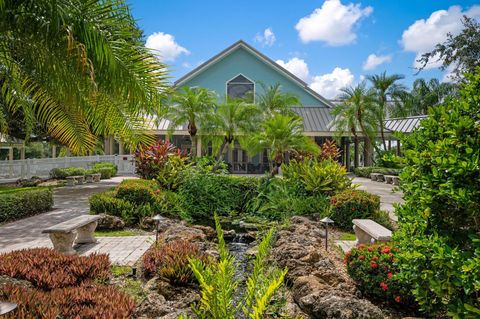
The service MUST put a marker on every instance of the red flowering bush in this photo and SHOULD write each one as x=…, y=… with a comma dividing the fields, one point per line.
x=351, y=204
x=171, y=261
x=373, y=268
x=162, y=161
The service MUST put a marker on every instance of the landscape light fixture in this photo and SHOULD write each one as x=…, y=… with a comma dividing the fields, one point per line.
x=6, y=307
x=157, y=218
x=326, y=221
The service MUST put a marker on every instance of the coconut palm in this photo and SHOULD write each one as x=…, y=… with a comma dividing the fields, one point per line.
x=190, y=106
x=229, y=121
x=77, y=68
x=273, y=101
x=279, y=135
x=424, y=94
x=356, y=114
x=387, y=90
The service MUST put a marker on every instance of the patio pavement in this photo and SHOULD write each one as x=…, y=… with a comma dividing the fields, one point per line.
x=387, y=196
x=70, y=202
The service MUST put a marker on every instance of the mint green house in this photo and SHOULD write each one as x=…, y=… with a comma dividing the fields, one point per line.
x=238, y=70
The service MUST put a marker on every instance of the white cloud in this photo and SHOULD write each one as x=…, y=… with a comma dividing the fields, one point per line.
x=329, y=85
x=374, y=60
x=165, y=46
x=424, y=34
x=297, y=66
x=267, y=38
x=333, y=23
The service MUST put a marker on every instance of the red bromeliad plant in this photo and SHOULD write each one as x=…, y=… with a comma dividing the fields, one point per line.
x=329, y=150
x=374, y=270
x=151, y=160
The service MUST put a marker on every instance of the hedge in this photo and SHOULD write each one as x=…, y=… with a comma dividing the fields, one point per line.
x=367, y=170
x=106, y=169
x=62, y=173
x=24, y=202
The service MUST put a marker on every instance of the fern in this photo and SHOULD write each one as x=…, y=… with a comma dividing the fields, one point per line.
x=218, y=286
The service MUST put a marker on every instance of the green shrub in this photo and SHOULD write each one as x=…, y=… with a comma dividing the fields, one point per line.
x=367, y=170
x=205, y=194
x=388, y=159
x=62, y=173
x=208, y=164
x=168, y=203
x=279, y=199
x=25, y=202
x=317, y=177
x=137, y=191
x=113, y=168
x=439, y=223
x=170, y=173
x=352, y=204
x=107, y=203
x=374, y=270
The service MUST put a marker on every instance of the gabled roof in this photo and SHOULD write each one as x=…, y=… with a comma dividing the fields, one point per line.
x=404, y=124
x=315, y=119
x=259, y=55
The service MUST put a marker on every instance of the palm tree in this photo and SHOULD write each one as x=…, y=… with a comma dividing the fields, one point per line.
x=273, y=101
x=190, y=106
x=386, y=91
x=229, y=120
x=424, y=94
x=279, y=135
x=356, y=114
x=79, y=69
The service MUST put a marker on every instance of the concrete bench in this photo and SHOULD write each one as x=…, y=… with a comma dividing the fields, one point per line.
x=97, y=177
x=79, y=230
x=377, y=177
x=396, y=180
x=369, y=232
x=389, y=179
x=74, y=180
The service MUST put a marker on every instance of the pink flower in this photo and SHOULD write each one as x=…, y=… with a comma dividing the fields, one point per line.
x=389, y=275
x=384, y=286
x=373, y=265
x=361, y=257
x=398, y=299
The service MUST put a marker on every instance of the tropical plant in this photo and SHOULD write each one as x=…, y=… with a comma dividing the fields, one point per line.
x=226, y=123
x=190, y=106
x=386, y=91
x=424, y=95
x=356, y=114
x=439, y=223
x=273, y=101
x=459, y=53
x=78, y=69
x=317, y=177
x=219, y=288
x=279, y=135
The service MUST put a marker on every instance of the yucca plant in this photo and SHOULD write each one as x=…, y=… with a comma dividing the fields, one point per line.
x=219, y=287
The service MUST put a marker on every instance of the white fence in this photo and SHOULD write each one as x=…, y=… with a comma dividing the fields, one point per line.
x=41, y=167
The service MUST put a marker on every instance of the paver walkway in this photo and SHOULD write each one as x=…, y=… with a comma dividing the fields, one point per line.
x=387, y=196
x=69, y=203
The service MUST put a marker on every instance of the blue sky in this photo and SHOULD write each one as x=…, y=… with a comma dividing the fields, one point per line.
x=329, y=44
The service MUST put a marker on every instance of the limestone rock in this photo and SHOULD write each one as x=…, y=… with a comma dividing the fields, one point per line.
x=109, y=222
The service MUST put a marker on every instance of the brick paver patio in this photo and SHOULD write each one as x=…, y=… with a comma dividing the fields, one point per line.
x=71, y=202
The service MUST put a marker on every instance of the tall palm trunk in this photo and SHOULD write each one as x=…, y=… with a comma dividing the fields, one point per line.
x=356, y=158
x=383, y=101
x=192, y=130
x=221, y=154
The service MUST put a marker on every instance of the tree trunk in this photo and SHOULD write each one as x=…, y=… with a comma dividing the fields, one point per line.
x=221, y=155
x=356, y=161
x=193, y=149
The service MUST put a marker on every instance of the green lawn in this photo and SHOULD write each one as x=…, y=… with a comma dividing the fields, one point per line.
x=10, y=189
x=116, y=233
x=347, y=236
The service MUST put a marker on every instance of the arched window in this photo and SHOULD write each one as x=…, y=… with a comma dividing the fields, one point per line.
x=241, y=87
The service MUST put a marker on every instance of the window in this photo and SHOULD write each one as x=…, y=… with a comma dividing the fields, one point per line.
x=241, y=88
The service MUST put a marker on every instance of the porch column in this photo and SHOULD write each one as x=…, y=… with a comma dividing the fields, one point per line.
x=199, y=146
x=111, y=145
x=389, y=144
x=10, y=153
x=54, y=151
x=106, y=146
x=22, y=152
x=356, y=153
x=120, y=148
x=347, y=153
x=399, y=151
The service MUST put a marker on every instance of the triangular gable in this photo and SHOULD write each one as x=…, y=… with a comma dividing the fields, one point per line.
x=272, y=64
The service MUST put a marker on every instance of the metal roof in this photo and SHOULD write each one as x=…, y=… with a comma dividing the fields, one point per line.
x=315, y=119
x=405, y=124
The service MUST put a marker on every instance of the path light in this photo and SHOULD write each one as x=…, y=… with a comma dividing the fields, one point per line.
x=6, y=307
x=326, y=221
x=157, y=218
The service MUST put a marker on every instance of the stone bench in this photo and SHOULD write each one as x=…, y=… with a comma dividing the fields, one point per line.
x=389, y=179
x=74, y=180
x=377, y=177
x=97, y=177
x=369, y=232
x=396, y=180
x=79, y=230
